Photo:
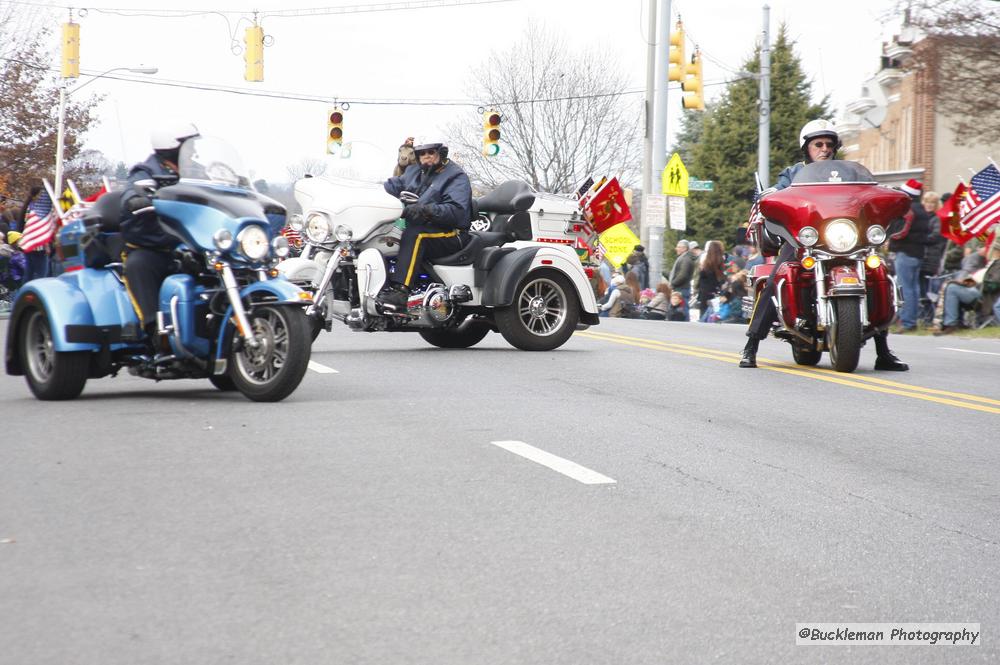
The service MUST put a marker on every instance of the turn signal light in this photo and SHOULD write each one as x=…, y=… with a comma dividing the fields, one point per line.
x=808, y=262
x=873, y=261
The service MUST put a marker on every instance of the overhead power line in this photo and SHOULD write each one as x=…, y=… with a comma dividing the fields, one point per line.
x=167, y=12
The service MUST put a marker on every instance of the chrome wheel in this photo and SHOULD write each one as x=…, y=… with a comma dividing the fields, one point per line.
x=541, y=306
x=261, y=364
x=39, y=350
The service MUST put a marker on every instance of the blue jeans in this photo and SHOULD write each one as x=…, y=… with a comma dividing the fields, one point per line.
x=956, y=295
x=908, y=274
x=686, y=294
x=38, y=265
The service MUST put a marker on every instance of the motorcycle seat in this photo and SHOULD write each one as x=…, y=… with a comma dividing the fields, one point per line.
x=476, y=243
x=510, y=197
x=106, y=212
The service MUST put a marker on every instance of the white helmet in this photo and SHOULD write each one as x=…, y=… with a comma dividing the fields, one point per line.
x=170, y=136
x=817, y=128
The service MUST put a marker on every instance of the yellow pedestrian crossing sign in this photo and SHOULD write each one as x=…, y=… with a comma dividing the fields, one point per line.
x=675, y=177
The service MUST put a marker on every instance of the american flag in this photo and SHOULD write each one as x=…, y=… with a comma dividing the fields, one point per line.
x=580, y=193
x=986, y=211
x=293, y=236
x=39, y=224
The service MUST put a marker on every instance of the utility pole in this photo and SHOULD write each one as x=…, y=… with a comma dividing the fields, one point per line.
x=647, y=157
x=764, y=126
x=655, y=241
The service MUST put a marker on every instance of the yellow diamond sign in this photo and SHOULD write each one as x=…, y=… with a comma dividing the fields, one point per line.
x=618, y=242
x=675, y=177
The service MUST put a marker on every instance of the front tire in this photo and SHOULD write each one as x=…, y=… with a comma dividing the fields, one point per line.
x=805, y=355
x=51, y=374
x=845, y=335
x=273, y=370
x=468, y=333
x=543, y=315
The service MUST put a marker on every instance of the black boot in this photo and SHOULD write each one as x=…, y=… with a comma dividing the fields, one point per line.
x=749, y=357
x=393, y=297
x=886, y=360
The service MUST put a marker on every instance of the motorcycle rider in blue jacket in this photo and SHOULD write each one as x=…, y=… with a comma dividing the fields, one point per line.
x=149, y=249
x=819, y=141
x=436, y=224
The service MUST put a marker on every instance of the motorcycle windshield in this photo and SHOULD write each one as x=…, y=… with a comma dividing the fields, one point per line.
x=207, y=159
x=834, y=171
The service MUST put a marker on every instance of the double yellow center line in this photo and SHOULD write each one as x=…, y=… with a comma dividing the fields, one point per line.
x=961, y=400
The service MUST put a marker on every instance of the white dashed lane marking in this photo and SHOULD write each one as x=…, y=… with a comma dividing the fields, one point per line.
x=985, y=353
x=321, y=369
x=560, y=465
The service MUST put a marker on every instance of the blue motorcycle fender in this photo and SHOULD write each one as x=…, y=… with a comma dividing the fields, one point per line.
x=275, y=291
x=64, y=304
x=505, y=276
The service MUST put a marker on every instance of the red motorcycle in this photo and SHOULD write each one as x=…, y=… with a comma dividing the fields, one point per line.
x=836, y=293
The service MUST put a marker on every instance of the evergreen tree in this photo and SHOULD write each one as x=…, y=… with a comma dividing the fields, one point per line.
x=727, y=151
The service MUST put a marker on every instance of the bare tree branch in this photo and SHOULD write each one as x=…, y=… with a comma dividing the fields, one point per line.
x=565, y=117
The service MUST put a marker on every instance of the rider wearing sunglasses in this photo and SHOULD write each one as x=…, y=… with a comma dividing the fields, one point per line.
x=819, y=142
x=436, y=224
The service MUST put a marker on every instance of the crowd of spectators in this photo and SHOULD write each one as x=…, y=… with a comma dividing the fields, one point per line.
x=701, y=285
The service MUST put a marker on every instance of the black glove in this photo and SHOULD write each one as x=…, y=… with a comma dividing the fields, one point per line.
x=138, y=203
x=414, y=212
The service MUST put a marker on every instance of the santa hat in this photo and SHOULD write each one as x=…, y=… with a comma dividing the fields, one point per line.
x=913, y=187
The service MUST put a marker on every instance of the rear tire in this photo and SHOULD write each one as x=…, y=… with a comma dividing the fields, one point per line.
x=543, y=314
x=51, y=374
x=844, y=338
x=466, y=334
x=273, y=370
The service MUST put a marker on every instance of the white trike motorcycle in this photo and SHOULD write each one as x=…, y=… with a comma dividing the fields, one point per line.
x=534, y=294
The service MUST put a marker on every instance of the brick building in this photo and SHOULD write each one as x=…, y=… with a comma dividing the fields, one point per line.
x=899, y=131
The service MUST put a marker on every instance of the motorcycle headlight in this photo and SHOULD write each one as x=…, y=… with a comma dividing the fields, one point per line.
x=253, y=242
x=343, y=233
x=280, y=247
x=876, y=234
x=296, y=223
x=808, y=236
x=223, y=240
x=841, y=235
x=317, y=227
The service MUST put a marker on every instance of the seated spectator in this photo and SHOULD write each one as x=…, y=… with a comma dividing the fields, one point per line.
x=621, y=302
x=967, y=290
x=677, y=311
x=656, y=308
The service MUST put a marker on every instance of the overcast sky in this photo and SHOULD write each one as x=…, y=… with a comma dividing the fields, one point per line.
x=409, y=54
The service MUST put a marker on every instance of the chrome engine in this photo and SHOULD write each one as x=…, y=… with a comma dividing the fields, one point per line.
x=435, y=305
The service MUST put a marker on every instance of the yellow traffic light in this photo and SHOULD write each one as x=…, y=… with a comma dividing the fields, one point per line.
x=253, y=53
x=694, y=97
x=334, y=129
x=676, y=71
x=491, y=133
x=70, y=50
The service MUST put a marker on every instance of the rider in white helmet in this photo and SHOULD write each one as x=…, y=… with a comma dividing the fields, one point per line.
x=818, y=141
x=148, y=248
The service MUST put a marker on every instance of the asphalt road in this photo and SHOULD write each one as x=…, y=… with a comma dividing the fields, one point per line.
x=695, y=512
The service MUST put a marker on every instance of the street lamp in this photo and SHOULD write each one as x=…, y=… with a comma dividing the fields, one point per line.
x=61, y=130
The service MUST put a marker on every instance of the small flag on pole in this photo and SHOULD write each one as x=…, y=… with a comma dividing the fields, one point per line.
x=39, y=224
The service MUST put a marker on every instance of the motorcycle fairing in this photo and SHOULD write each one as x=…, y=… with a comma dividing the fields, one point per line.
x=795, y=207
x=371, y=277
x=880, y=297
x=201, y=222
x=791, y=282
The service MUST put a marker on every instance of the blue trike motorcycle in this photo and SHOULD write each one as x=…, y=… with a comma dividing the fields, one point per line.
x=226, y=313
